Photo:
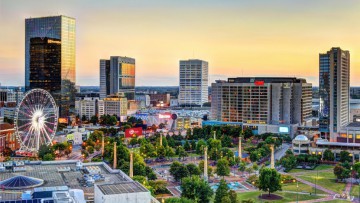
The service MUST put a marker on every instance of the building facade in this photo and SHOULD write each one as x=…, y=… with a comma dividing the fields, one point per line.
x=10, y=95
x=261, y=100
x=104, y=78
x=50, y=58
x=193, y=83
x=334, y=88
x=87, y=107
x=116, y=105
x=122, y=76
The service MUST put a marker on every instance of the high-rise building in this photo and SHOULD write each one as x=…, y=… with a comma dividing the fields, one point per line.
x=334, y=87
x=122, y=76
x=104, y=78
x=193, y=83
x=50, y=58
x=262, y=100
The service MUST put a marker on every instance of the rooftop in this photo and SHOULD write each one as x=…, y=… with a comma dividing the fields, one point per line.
x=120, y=188
x=48, y=172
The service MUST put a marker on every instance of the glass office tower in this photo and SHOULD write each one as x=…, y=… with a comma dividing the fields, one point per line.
x=50, y=58
x=122, y=76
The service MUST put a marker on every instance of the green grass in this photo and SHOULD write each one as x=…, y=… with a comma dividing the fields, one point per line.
x=287, y=197
x=337, y=201
x=325, y=179
x=302, y=188
x=355, y=191
x=319, y=168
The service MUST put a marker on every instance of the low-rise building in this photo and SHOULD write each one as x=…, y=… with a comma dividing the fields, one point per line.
x=116, y=105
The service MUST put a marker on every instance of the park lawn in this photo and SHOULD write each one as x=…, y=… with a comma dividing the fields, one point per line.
x=355, y=191
x=325, y=179
x=319, y=168
x=302, y=188
x=337, y=201
x=287, y=197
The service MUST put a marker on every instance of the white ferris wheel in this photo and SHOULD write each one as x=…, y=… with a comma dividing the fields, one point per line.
x=36, y=119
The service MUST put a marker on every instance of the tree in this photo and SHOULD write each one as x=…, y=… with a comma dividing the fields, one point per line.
x=45, y=149
x=226, y=141
x=193, y=169
x=222, y=191
x=233, y=196
x=249, y=170
x=242, y=166
x=162, y=125
x=329, y=155
x=226, y=199
x=357, y=167
x=196, y=189
x=248, y=201
x=248, y=133
x=178, y=171
x=83, y=118
x=187, y=146
x=255, y=166
x=178, y=200
x=222, y=167
x=269, y=180
x=94, y=119
x=345, y=156
x=161, y=152
x=254, y=156
x=201, y=167
x=181, y=152
x=200, y=147
x=48, y=157
x=341, y=173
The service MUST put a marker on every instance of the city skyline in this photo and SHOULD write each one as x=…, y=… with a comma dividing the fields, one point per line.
x=236, y=38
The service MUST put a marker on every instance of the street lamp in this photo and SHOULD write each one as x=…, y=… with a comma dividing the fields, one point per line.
x=297, y=191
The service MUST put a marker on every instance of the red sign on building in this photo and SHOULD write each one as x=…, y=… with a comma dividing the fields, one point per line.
x=259, y=83
x=133, y=132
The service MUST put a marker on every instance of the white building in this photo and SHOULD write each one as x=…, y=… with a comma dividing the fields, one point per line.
x=143, y=99
x=86, y=107
x=193, y=83
x=334, y=91
x=9, y=95
x=174, y=102
x=101, y=108
x=129, y=192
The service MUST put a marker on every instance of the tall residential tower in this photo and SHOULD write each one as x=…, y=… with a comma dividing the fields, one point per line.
x=193, y=83
x=334, y=87
x=50, y=58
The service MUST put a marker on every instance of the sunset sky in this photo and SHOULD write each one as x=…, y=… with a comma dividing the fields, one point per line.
x=237, y=38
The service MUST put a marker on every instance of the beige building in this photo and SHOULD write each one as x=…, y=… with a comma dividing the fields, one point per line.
x=116, y=105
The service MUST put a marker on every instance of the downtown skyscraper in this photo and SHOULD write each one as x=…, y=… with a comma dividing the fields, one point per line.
x=193, y=83
x=50, y=58
x=122, y=76
x=334, y=88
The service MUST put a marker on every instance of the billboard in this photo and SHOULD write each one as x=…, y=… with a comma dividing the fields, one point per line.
x=133, y=132
x=64, y=120
x=283, y=129
x=165, y=115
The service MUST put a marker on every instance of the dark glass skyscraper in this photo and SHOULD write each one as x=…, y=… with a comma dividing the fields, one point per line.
x=334, y=87
x=50, y=58
x=122, y=76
